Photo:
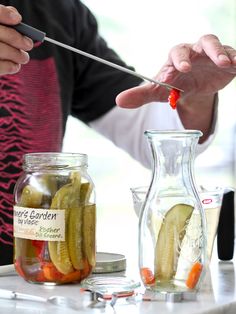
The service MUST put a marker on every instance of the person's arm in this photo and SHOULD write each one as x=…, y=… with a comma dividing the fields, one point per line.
x=125, y=127
x=201, y=70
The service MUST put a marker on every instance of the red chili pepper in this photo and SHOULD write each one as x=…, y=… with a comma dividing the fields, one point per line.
x=38, y=246
x=173, y=97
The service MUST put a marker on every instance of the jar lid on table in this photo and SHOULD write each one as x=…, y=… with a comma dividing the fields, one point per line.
x=109, y=263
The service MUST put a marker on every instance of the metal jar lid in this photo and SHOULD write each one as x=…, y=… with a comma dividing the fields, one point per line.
x=109, y=263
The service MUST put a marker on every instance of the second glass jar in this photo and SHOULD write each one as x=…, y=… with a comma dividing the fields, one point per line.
x=172, y=227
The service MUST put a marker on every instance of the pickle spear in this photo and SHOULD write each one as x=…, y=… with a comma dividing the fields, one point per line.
x=58, y=250
x=80, y=226
x=31, y=197
x=75, y=223
x=89, y=223
x=85, y=192
x=169, y=240
x=68, y=255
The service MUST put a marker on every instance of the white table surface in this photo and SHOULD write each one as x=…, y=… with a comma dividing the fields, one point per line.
x=218, y=295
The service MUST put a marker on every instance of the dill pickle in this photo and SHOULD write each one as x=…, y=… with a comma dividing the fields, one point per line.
x=67, y=255
x=58, y=250
x=85, y=192
x=169, y=240
x=31, y=197
x=50, y=187
x=75, y=237
x=75, y=223
x=89, y=230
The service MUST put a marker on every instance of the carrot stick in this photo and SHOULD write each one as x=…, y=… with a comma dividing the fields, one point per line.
x=194, y=275
x=18, y=267
x=147, y=276
x=50, y=272
x=86, y=269
x=40, y=277
x=71, y=277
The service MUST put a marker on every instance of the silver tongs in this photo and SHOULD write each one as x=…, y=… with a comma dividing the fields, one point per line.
x=40, y=36
x=59, y=300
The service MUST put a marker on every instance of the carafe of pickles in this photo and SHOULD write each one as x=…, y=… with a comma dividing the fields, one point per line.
x=54, y=219
x=172, y=226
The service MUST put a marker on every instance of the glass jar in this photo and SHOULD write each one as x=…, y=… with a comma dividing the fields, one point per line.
x=54, y=219
x=172, y=225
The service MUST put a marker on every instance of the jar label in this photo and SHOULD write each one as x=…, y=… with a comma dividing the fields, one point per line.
x=39, y=224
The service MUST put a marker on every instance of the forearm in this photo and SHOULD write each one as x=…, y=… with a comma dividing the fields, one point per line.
x=198, y=113
x=125, y=127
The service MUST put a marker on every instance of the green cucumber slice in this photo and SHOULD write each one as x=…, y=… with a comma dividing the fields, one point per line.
x=169, y=240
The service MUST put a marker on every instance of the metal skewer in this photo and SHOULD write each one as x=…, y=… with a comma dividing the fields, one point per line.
x=38, y=35
x=111, y=64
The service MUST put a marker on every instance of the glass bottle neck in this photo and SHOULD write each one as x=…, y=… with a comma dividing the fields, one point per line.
x=173, y=157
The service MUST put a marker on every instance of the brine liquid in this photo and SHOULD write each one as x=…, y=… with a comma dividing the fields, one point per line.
x=212, y=218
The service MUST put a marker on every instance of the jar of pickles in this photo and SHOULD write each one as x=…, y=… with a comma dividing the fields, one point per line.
x=54, y=219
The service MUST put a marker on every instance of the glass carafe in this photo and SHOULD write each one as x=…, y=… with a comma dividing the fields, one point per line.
x=172, y=226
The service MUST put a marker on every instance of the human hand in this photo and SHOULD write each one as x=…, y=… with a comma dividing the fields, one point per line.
x=200, y=69
x=13, y=46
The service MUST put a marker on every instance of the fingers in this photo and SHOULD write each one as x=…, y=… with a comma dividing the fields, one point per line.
x=231, y=53
x=9, y=15
x=183, y=55
x=140, y=95
x=132, y=98
x=212, y=47
x=14, y=39
x=179, y=58
x=11, y=59
x=8, y=67
x=13, y=46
